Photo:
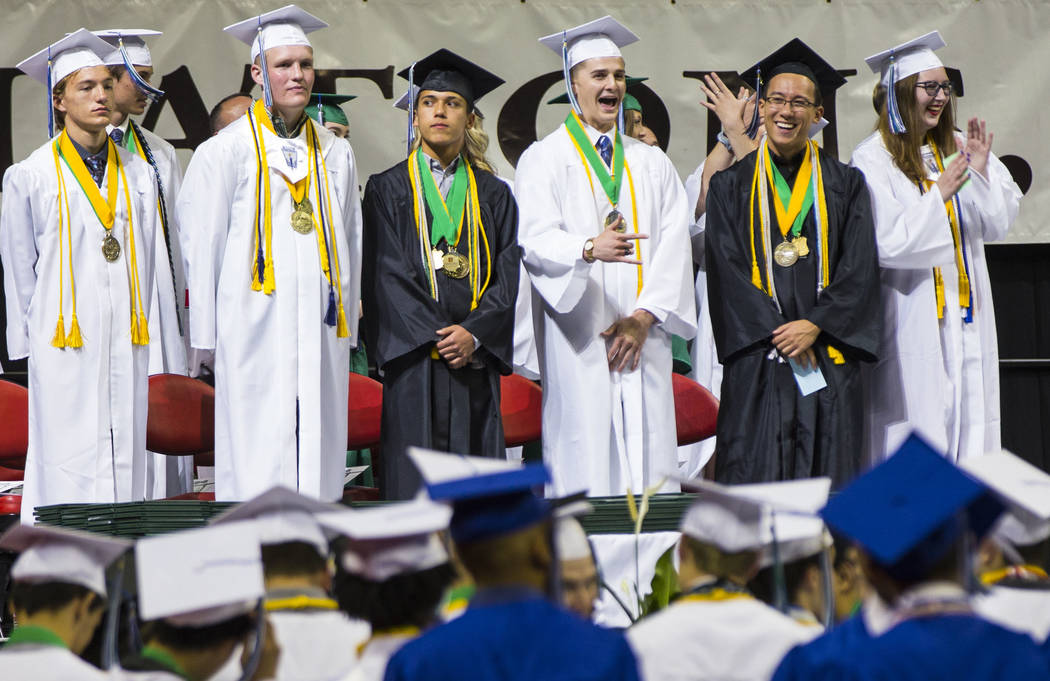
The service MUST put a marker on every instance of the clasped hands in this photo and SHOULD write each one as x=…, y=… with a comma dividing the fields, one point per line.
x=795, y=340
x=456, y=346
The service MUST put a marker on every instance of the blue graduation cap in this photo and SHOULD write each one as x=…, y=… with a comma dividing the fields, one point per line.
x=489, y=497
x=909, y=512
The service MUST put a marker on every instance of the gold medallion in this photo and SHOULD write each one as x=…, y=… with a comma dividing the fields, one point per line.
x=455, y=264
x=612, y=218
x=801, y=246
x=110, y=248
x=785, y=254
x=303, y=216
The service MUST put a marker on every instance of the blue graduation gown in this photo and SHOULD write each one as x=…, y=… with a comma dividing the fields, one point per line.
x=837, y=644
x=510, y=634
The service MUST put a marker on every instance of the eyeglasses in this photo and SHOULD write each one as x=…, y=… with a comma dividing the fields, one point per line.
x=931, y=87
x=799, y=104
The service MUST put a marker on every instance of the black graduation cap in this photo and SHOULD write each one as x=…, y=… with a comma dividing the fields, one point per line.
x=446, y=71
x=796, y=57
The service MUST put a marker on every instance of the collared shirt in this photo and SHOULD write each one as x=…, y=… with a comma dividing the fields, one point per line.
x=90, y=159
x=442, y=176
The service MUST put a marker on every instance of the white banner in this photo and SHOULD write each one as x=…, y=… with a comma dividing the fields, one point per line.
x=1000, y=47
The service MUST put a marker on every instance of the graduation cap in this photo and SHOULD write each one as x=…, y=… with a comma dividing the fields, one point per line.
x=563, y=98
x=797, y=530
x=446, y=71
x=595, y=39
x=909, y=511
x=324, y=108
x=570, y=539
x=392, y=539
x=727, y=521
x=1024, y=488
x=131, y=51
x=78, y=50
x=489, y=497
x=199, y=577
x=897, y=63
x=799, y=58
x=281, y=515
x=52, y=554
x=403, y=102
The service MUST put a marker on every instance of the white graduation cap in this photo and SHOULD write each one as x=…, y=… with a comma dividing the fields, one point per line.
x=902, y=61
x=52, y=554
x=391, y=539
x=282, y=515
x=570, y=539
x=276, y=28
x=132, y=38
x=599, y=38
x=76, y=51
x=1025, y=489
x=817, y=127
x=729, y=522
x=799, y=531
x=199, y=577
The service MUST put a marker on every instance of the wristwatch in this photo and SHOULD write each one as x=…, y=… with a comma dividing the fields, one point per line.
x=588, y=250
x=724, y=139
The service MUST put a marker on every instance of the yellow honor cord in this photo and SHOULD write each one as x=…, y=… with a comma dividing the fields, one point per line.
x=756, y=275
x=786, y=217
x=630, y=186
x=264, y=282
x=139, y=323
x=301, y=602
x=421, y=226
x=715, y=595
x=342, y=329
x=960, y=262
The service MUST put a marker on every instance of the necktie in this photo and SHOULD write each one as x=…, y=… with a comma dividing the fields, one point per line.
x=117, y=135
x=97, y=167
x=604, y=147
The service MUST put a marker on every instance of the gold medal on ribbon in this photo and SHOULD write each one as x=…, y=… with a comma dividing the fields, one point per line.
x=611, y=219
x=303, y=216
x=786, y=254
x=801, y=246
x=110, y=248
x=455, y=264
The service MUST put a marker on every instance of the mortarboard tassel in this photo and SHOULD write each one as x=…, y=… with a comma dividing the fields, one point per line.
x=320, y=111
x=619, y=118
x=567, y=75
x=892, y=111
x=411, y=109
x=752, y=128
x=152, y=93
x=278, y=122
x=330, y=317
x=50, y=102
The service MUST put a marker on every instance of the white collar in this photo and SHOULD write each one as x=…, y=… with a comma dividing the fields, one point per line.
x=123, y=127
x=593, y=133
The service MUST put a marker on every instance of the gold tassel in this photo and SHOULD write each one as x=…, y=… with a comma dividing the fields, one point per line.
x=74, y=339
x=143, y=325
x=268, y=282
x=59, y=341
x=341, y=328
x=938, y=286
x=836, y=355
x=756, y=277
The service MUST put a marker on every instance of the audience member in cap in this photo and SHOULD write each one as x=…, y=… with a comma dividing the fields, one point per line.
x=326, y=110
x=440, y=278
x=914, y=517
x=634, y=126
x=317, y=640
x=716, y=629
x=131, y=65
x=502, y=532
x=76, y=240
x=604, y=238
x=934, y=212
x=227, y=110
x=198, y=591
x=851, y=588
x=58, y=597
x=274, y=266
x=580, y=582
x=1013, y=561
x=797, y=320
x=391, y=571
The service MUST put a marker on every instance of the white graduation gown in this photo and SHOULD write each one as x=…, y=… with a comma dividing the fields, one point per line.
x=316, y=646
x=166, y=476
x=1023, y=610
x=707, y=370
x=739, y=639
x=371, y=663
x=87, y=406
x=38, y=662
x=604, y=430
x=281, y=374
x=938, y=376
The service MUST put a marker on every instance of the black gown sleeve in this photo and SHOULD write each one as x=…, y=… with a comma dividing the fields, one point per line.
x=742, y=315
x=848, y=311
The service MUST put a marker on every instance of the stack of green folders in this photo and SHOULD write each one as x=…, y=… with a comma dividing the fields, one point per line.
x=132, y=519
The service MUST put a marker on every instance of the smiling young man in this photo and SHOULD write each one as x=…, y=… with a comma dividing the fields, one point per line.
x=604, y=236
x=792, y=280
x=165, y=475
x=76, y=239
x=273, y=270
x=440, y=279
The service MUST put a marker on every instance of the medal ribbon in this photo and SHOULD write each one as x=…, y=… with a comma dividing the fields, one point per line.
x=105, y=211
x=791, y=212
x=610, y=183
x=961, y=261
x=445, y=224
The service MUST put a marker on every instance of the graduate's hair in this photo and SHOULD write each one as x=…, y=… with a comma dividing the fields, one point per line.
x=714, y=561
x=905, y=148
x=292, y=559
x=216, y=111
x=763, y=585
x=197, y=638
x=57, y=93
x=34, y=597
x=475, y=144
x=409, y=599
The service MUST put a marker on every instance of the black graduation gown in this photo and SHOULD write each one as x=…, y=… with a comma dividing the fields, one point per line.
x=766, y=429
x=425, y=403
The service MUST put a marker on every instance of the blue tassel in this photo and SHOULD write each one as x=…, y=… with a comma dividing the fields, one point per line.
x=260, y=264
x=893, y=113
x=620, y=125
x=152, y=93
x=567, y=74
x=752, y=128
x=50, y=99
x=329, y=316
x=411, y=108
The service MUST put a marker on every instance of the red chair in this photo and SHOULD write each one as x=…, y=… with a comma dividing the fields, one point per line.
x=181, y=422
x=363, y=421
x=521, y=406
x=695, y=410
x=14, y=441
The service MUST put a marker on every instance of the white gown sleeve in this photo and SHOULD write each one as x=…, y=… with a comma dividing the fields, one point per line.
x=19, y=255
x=351, y=210
x=996, y=199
